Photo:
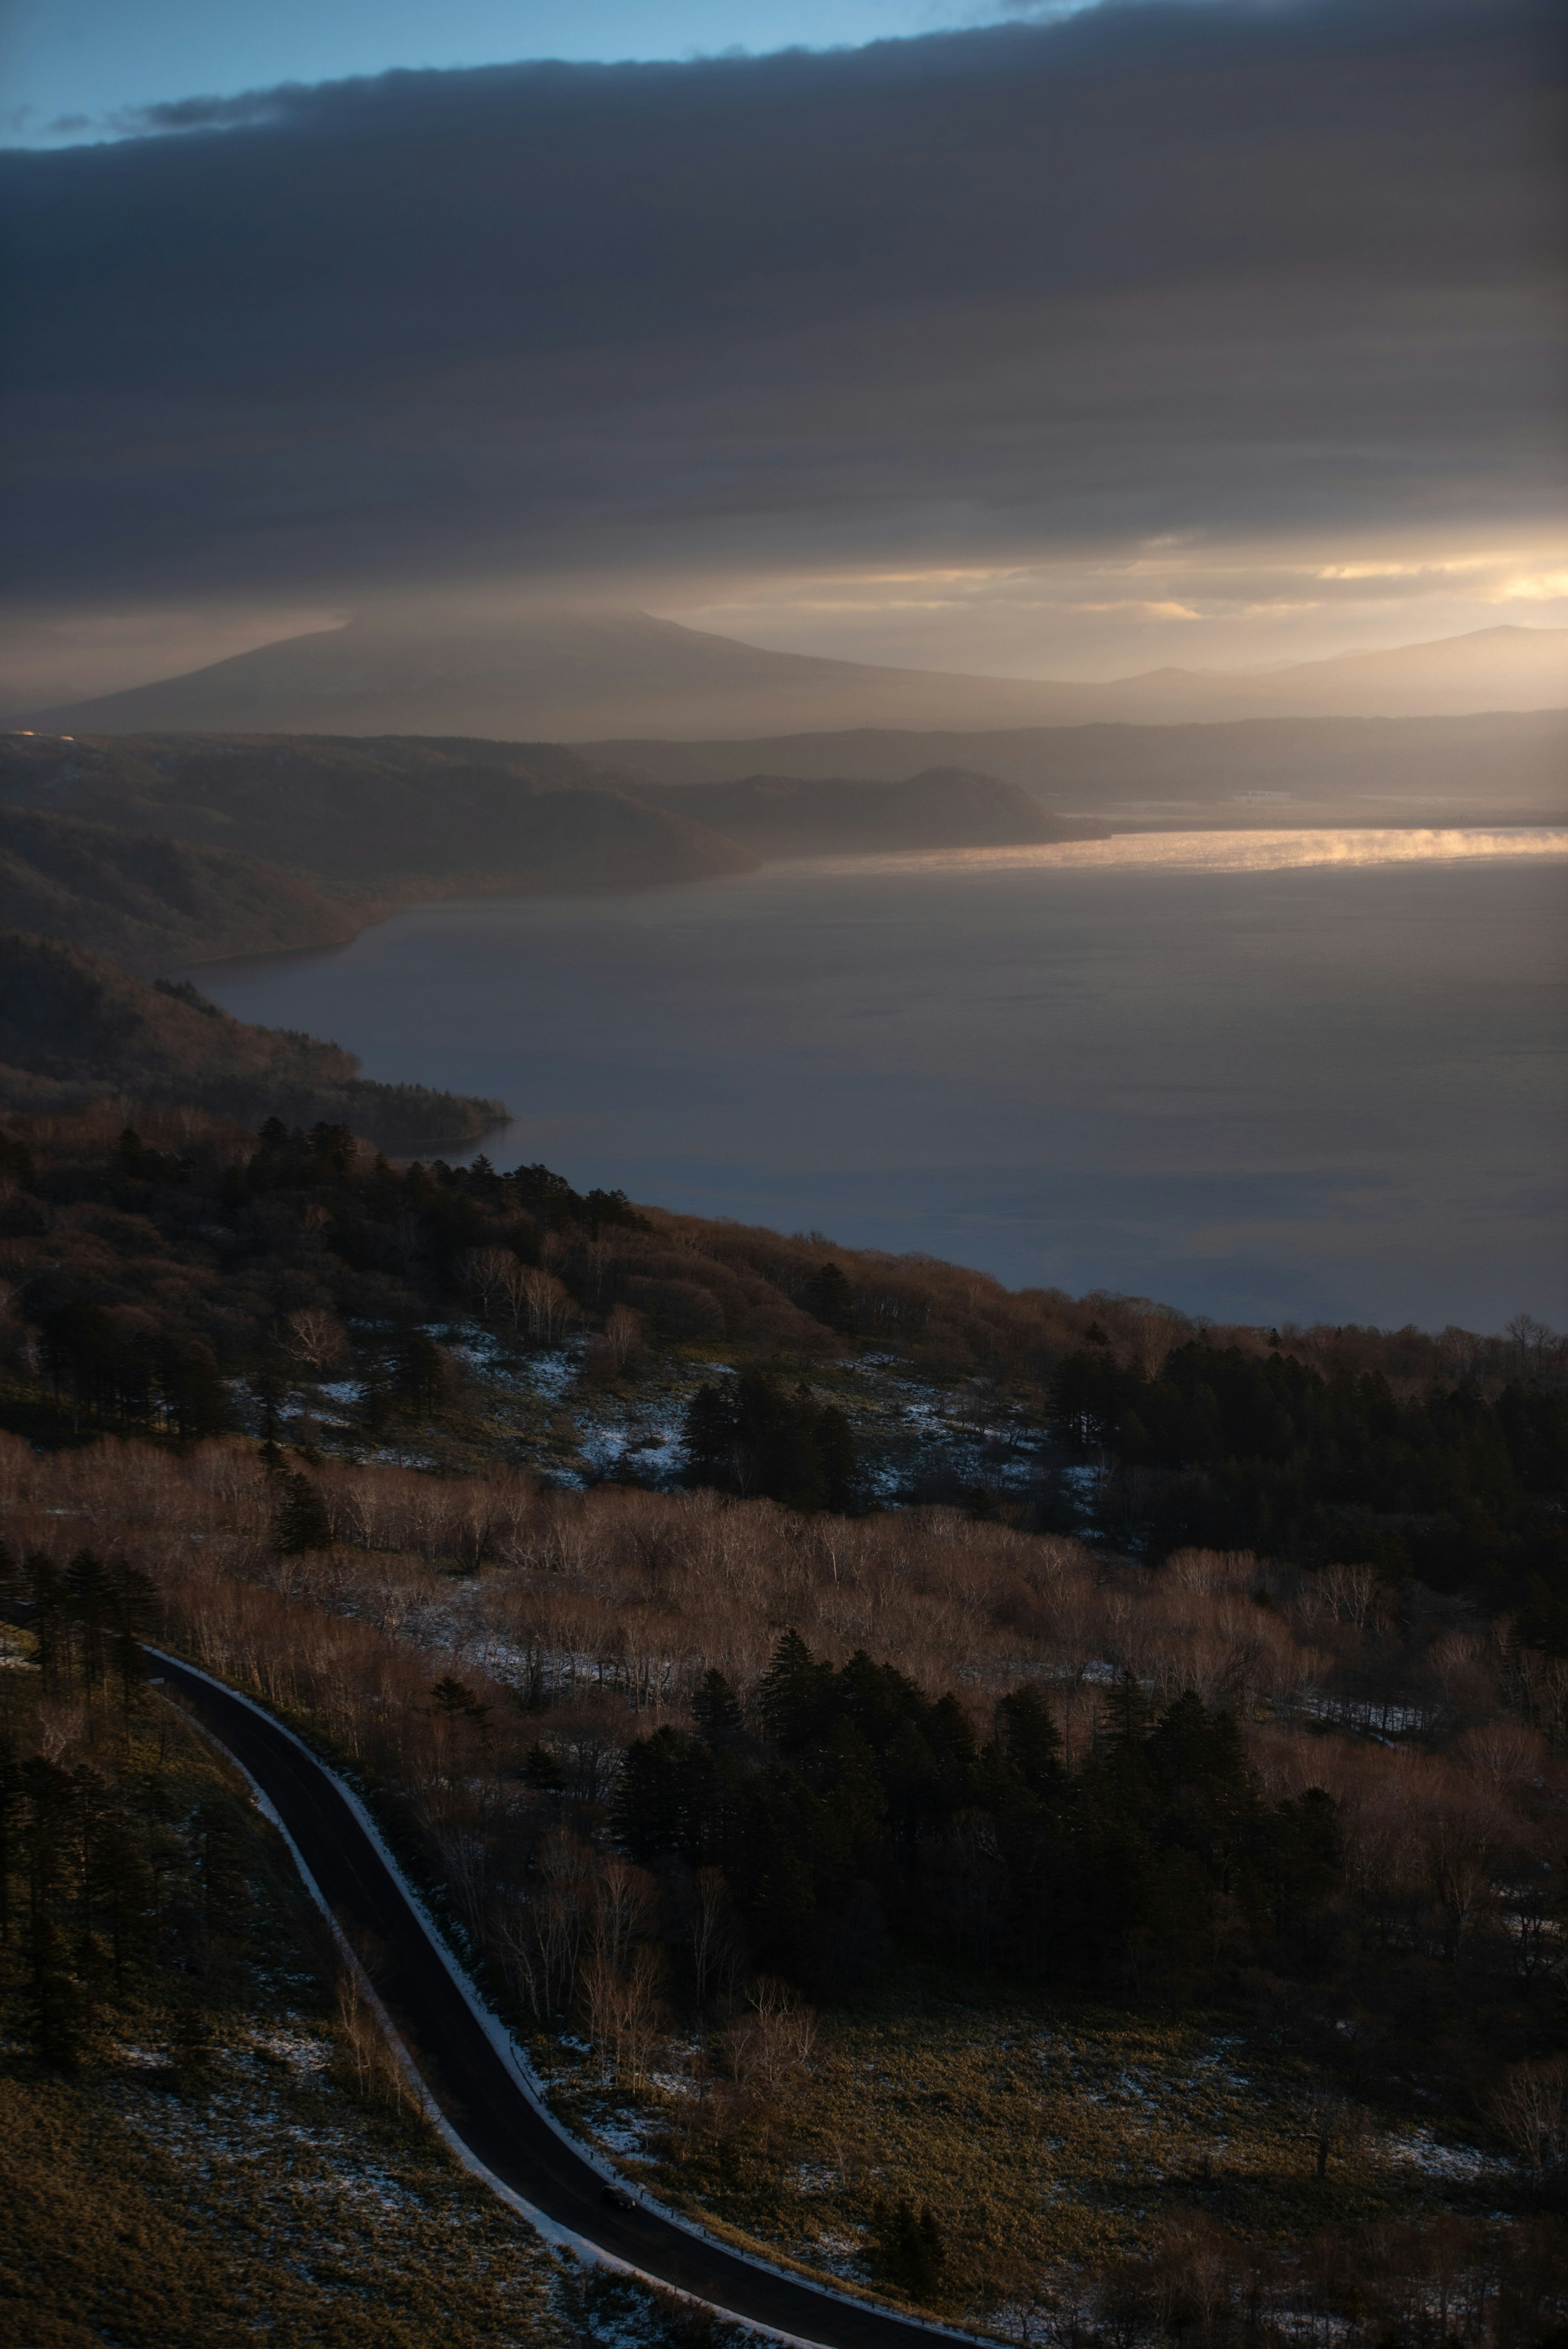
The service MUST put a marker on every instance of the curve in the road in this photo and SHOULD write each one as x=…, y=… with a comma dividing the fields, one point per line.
x=481, y=2097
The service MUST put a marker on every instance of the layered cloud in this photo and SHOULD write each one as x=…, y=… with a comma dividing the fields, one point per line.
x=1048, y=301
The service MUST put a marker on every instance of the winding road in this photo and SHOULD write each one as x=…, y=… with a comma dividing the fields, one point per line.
x=482, y=2095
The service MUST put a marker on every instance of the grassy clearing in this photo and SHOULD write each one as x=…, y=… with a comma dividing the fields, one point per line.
x=1042, y=2133
x=266, y=2204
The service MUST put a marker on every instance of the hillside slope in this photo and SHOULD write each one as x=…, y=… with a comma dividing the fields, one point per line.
x=74, y=1030
x=150, y=902
x=479, y=815
x=945, y=807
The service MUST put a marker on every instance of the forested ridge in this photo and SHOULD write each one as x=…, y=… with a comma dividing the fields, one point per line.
x=75, y=1029
x=1228, y=1448
x=179, y=1284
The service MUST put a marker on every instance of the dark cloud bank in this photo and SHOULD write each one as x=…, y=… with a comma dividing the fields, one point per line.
x=1229, y=267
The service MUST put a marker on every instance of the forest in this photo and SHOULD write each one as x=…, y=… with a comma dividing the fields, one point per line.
x=860, y=1806
x=717, y=1785
x=1223, y=1448
x=77, y=1030
x=179, y=1284
x=670, y=1835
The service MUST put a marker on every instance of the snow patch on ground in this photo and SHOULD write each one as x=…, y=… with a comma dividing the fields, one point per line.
x=622, y=2132
x=1422, y=2150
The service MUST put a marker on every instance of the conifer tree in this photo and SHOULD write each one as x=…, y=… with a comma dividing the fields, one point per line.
x=1030, y=1741
x=910, y=2251
x=715, y=1709
x=302, y=1522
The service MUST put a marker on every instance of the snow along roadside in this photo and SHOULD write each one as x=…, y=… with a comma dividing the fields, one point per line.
x=506, y=2047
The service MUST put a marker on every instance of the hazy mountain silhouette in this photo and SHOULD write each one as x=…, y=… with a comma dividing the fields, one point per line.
x=576, y=676
x=1498, y=766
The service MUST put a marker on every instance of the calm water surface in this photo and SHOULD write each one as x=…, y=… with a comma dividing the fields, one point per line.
x=1206, y=1073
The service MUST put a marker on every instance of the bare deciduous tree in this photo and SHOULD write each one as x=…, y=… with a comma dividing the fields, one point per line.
x=1334, y=2124
x=623, y=1334
x=486, y=1274
x=316, y=1339
x=1529, y=2106
x=546, y=1302
x=772, y=2042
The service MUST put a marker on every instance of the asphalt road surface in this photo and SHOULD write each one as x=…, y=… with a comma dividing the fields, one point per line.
x=483, y=2101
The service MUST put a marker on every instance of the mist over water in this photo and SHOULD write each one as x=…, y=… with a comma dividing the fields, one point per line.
x=1271, y=1076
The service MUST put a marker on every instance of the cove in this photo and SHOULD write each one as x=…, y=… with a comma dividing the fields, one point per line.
x=1258, y=1085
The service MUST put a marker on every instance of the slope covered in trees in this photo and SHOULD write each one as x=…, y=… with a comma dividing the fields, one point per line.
x=184, y=1275
x=150, y=902
x=75, y=1028
x=1502, y=767
x=163, y=850
x=389, y=811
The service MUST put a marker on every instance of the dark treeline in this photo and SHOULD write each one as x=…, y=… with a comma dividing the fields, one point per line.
x=854, y=1805
x=752, y=1438
x=114, y=1885
x=78, y=1033
x=175, y=1281
x=1224, y=1450
x=152, y=1275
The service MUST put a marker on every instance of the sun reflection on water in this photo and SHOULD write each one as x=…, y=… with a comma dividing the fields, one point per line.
x=1221, y=852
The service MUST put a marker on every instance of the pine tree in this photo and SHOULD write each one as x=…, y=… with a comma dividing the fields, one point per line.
x=450, y=1701
x=707, y=1439
x=130, y=1615
x=840, y=1462
x=792, y=1698
x=1125, y=1720
x=57, y=2009
x=1030, y=1741
x=88, y=1587
x=831, y=1298
x=51, y=1623
x=10, y=1832
x=911, y=2250
x=302, y=1522
x=715, y=1709
x=221, y=1859
x=420, y=1372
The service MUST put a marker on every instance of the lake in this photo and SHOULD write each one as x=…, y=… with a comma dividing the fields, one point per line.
x=1262, y=1076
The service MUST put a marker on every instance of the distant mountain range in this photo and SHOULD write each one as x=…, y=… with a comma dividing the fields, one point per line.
x=572, y=677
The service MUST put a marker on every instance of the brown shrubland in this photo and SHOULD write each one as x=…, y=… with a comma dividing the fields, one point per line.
x=572, y=1623
x=608, y=1608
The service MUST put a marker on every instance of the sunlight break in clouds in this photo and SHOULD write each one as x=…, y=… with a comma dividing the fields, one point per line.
x=1242, y=311
x=1190, y=598
x=1218, y=852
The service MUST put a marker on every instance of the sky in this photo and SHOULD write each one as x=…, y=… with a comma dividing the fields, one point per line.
x=79, y=68
x=1215, y=332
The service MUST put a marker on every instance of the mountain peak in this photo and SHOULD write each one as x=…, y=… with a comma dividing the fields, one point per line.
x=575, y=675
